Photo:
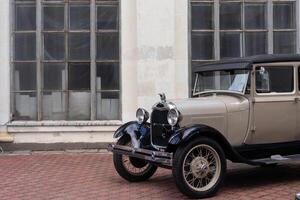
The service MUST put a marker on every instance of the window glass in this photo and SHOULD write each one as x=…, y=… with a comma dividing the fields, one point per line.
x=108, y=105
x=54, y=18
x=255, y=43
x=25, y=46
x=202, y=16
x=25, y=18
x=284, y=15
x=25, y=76
x=107, y=17
x=107, y=46
x=79, y=76
x=79, y=46
x=54, y=46
x=274, y=79
x=79, y=17
x=54, y=76
x=107, y=76
x=25, y=106
x=230, y=44
x=284, y=42
x=202, y=46
x=255, y=16
x=79, y=105
x=54, y=105
x=230, y=16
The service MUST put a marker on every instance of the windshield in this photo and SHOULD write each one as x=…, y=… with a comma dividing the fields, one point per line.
x=224, y=80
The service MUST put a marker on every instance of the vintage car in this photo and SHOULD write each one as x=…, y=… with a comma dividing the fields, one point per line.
x=244, y=110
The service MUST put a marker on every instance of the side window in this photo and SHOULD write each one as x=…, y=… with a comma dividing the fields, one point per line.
x=274, y=79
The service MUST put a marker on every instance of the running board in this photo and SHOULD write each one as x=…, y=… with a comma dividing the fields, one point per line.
x=274, y=159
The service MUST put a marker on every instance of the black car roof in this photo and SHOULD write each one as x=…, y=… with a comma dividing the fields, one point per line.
x=245, y=62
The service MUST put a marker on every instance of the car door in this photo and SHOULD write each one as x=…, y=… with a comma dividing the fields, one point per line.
x=275, y=105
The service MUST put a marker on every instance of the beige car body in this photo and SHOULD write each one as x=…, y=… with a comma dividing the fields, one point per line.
x=251, y=118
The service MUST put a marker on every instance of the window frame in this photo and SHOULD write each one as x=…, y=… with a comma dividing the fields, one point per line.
x=40, y=61
x=274, y=65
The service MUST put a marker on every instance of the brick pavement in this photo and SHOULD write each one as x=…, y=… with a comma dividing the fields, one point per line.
x=92, y=176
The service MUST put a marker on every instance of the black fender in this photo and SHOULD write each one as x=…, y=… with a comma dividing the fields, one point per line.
x=187, y=133
x=140, y=132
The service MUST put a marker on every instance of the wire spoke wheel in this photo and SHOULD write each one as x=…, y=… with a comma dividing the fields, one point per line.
x=130, y=168
x=201, y=167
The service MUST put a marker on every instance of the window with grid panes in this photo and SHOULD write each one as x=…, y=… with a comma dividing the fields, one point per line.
x=66, y=60
x=236, y=28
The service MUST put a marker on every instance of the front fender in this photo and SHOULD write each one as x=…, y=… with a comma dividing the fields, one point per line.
x=139, y=133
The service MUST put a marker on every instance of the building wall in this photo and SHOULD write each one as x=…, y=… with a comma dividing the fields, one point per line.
x=154, y=59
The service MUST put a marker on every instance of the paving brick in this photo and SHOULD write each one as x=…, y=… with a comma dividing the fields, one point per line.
x=92, y=176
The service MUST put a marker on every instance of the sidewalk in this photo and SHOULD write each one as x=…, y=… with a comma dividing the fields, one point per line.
x=90, y=175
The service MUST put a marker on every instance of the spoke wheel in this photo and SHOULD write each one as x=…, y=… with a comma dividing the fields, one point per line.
x=130, y=168
x=202, y=167
x=199, y=167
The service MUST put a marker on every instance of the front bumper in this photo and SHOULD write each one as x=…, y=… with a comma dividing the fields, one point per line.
x=157, y=157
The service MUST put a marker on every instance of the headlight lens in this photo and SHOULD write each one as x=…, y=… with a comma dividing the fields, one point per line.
x=173, y=117
x=142, y=115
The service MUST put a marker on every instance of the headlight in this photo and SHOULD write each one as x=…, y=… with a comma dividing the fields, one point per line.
x=142, y=115
x=173, y=117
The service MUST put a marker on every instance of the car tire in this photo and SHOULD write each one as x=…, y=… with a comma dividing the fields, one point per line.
x=199, y=167
x=144, y=170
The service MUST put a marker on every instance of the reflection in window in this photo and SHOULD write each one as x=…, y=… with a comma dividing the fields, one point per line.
x=274, y=79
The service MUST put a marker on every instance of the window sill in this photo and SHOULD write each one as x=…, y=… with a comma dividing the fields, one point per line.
x=63, y=126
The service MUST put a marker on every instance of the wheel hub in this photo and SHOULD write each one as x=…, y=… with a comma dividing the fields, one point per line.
x=200, y=167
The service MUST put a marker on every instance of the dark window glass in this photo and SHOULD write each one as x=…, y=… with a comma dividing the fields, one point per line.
x=54, y=46
x=107, y=76
x=255, y=43
x=25, y=18
x=255, y=16
x=274, y=79
x=107, y=17
x=108, y=46
x=230, y=16
x=25, y=76
x=284, y=15
x=202, y=46
x=54, y=76
x=79, y=46
x=79, y=17
x=230, y=45
x=284, y=42
x=54, y=18
x=79, y=76
x=25, y=45
x=202, y=16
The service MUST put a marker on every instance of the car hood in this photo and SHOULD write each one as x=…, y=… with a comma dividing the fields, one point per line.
x=214, y=105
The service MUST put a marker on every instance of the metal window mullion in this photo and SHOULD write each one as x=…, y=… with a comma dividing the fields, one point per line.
x=297, y=27
x=66, y=27
x=242, y=45
x=39, y=57
x=270, y=26
x=216, y=30
x=93, y=59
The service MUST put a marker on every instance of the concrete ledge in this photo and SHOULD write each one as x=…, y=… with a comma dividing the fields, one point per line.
x=52, y=146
